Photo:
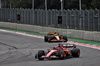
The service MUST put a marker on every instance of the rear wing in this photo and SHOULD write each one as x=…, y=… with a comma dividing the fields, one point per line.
x=52, y=33
x=69, y=45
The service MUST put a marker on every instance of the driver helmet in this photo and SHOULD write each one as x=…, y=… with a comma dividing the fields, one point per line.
x=59, y=45
x=55, y=33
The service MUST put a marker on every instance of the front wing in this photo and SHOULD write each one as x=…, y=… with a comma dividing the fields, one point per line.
x=50, y=57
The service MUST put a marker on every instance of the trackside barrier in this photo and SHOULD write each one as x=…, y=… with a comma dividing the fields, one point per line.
x=80, y=34
x=88, y=20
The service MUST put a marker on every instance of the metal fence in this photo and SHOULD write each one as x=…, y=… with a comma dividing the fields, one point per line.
x=71, y=19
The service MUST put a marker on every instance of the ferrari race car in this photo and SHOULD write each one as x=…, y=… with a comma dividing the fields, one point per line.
x=60, y=52
x=55, y=37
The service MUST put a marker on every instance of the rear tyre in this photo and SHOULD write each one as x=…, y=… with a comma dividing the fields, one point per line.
x=65, y=37
x=46, y=38
x=75, y=52
x=61, y=54
x=40, y=54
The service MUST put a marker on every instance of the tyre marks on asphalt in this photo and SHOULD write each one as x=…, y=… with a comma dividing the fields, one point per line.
x=10, y=47
x=26, y=50
x=15, y=55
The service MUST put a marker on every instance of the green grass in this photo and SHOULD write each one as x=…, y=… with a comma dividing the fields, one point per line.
x=70, y=39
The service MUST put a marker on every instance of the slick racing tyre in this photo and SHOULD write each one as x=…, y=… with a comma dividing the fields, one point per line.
x=65, y=37
x=75, y=52
x=40, y=54
x=61, y=54
x=46, y=38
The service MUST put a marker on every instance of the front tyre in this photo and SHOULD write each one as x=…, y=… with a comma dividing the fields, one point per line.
x=40, y=54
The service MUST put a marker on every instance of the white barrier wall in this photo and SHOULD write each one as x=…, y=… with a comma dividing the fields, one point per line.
x=80, y=34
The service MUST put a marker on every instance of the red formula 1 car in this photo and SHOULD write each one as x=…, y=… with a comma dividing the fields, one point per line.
x=55, y=37
x=60, y=52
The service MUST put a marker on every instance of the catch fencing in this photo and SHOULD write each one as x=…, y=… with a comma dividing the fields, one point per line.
x=71, y=19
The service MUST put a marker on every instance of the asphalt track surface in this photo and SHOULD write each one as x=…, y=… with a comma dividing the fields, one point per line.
x=20, y=50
